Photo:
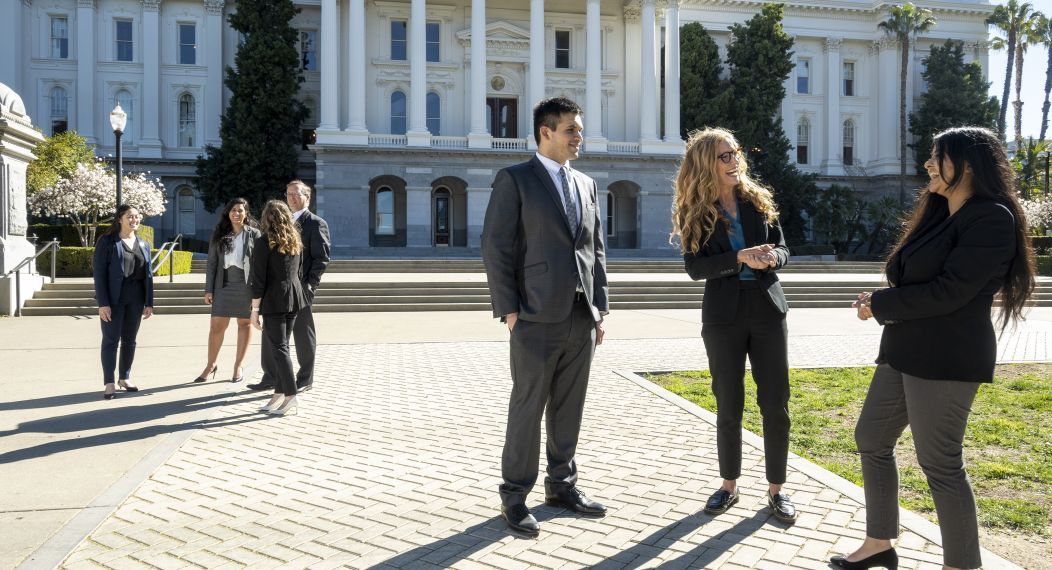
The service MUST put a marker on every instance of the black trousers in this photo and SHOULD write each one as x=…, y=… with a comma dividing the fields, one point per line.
x=306, y=340
x=550, y=363
x=759, y=332
x=126, y=316
x=276, y=359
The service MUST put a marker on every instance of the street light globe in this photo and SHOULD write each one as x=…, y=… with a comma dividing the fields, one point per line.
x=118, y=118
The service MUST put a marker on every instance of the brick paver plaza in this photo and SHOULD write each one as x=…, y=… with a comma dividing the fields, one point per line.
x=394, y=461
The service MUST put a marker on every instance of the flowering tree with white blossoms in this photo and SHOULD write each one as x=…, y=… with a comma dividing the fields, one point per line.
x=87, y=198
x=1038, y=213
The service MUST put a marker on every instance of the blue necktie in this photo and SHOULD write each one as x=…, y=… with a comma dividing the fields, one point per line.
x=571, y=206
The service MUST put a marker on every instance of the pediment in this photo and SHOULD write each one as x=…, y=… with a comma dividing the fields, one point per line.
x=499, y=31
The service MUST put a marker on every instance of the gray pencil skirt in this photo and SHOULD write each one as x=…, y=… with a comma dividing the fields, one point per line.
x=233, y=298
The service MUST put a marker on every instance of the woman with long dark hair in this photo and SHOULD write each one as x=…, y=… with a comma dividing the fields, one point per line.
x=965, y=243
x=277, y=294
x=124, y=292
x=226, y=283
x=728, y=232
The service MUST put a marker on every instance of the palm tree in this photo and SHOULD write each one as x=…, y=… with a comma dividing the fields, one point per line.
x=1007, y=18
x=904, y=23
x=1044, y=30
x=1028, y=36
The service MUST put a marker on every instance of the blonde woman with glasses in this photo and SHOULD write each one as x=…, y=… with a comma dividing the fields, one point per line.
x=727, y=228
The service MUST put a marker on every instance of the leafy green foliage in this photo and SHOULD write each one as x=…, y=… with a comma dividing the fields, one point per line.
x=702, y=90
x=57, y=157
x=260, y=129
x=838, y=216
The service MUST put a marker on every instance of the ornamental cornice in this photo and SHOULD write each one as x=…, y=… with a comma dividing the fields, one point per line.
x=214, y=7
x=808, y=8
x=86, y=4
x=632, y=11
x=833, y=44
x=151, y=5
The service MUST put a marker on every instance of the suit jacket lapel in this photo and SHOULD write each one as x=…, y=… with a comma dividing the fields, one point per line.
x=542, y=173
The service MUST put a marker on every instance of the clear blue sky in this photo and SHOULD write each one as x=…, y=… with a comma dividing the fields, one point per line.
x=1033, y=91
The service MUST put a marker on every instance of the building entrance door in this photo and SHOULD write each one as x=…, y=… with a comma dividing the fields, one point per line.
x=442, y=217
x=503, y=120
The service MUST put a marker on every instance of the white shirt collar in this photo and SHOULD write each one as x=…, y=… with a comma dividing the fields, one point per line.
x=296, y=215
x=550, y=165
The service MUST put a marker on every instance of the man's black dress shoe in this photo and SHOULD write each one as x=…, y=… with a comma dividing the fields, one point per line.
x=572, y=498
x=304, y=388
x=887, y=559
x=259, y=386
x=783, y=508
x=519, y=519
x=720, y=501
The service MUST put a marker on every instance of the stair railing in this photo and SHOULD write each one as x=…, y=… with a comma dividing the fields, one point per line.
x=53, y=246
x=164, y=253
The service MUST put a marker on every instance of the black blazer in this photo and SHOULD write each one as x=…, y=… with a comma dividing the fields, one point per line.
x=533, y=263
x=717, y=263
x=314, y=232
x=937, y=311
x=108, y=270
x=276, y=280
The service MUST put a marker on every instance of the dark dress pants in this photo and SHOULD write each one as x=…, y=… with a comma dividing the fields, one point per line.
x=759, y=332
x=550, y=363
x=306, y=340
x=277, y=328
x=126, y=316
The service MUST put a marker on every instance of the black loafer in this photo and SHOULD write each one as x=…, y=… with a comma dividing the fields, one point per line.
x=783, y=508
x=304, y=388
x=519, y=519
x=720, y=501
x=572, y=498
x=259, y=386
x=887, y=559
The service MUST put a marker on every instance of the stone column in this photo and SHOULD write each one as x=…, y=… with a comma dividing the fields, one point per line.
x=478, y=137
x=330, y=71
x=888, y=108
x=150, y=145
x=593, y=109
x=213, y=108
x=537, y=65
x=648, y=104
x=417, y=134
x=18, y=139
x=672, y=127
x=12, y=61
x=86, y=118
x=418, y=216
x=833, y=163
x=358, y=129
x=632, y=76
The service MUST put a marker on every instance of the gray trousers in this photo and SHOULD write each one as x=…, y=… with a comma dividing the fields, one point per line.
x=550, y=363
x=937, y=413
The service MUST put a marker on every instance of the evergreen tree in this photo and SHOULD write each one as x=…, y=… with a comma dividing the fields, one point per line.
x=702, y=87
x=957, y=95
x=760, y=60
x=260, y=129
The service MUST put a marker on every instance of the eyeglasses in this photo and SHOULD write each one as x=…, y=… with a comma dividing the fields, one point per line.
x=727, y=157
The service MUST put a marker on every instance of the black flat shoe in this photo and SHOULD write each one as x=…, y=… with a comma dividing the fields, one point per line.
x=783, y=508
x=720, y=501
x=572, y=498
x=520, y=519
x=259, y=386
x=204, y=378
x=887, y=559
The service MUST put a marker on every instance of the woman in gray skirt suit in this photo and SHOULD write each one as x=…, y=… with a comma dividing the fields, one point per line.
x=226, y=283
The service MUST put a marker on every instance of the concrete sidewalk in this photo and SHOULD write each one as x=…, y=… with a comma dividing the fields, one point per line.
x=70, y=459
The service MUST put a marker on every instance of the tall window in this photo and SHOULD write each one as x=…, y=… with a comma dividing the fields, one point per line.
x=385, y=212
x=187, y=211
x=128, y=104
x=434, y=114
x=433, y=43
x=309, y=50
x=562, y=49
x=803, y=76
x=59, y=111
x=310, y=124
x=188, y=44
x=849, y=78
x=187, y=120
x=398, y=39
x=59, y=37
x=397, y=113
x=611, y=204
x=125, y=44
x=849, y=142
x=803, y=140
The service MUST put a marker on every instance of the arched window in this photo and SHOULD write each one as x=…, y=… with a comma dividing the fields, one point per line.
x=397, y=113
x=187, y=222
x=434, y=114
x=187, y=120
x=803, y=140
x=385, y=211
x=124, y=98
x=59, y=111
x=849, y=142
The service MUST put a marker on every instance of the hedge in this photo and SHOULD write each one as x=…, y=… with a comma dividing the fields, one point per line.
x=68, y=237
x=77, y=262
x=1042, y=244
x=1044, y=264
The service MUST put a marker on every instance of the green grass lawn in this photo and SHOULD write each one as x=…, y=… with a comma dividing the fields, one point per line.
x=1008, y=445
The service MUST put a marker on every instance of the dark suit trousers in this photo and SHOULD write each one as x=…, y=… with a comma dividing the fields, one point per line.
x=123, y=328
x=550, y=363
x=306, y=340
x=277, y=361
x=759, y=332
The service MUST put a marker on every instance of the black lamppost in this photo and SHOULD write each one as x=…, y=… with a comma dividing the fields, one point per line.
x=118, y=120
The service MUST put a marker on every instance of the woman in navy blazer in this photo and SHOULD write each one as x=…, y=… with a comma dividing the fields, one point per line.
x=729, y=235
x=124, y=292
x=965, y=243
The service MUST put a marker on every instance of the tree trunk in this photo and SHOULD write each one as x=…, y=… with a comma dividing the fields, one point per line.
x=904, y=45
x=1017, y=105
x=1048, y=87
x=1008, y=82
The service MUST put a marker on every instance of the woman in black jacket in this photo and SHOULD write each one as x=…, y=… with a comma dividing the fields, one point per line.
x=277, y=294
x=728, y=232
x=124, y=292
x=965, y=242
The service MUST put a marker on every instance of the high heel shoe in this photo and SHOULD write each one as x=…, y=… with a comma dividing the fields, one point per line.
x=287, y=408
x=204, y=378
x=127, y=387
x=274, y=402
x=109, y=395
x=240, y=376
x=886, y=559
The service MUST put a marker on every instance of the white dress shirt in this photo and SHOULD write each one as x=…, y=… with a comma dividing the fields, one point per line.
x=296, y=215
x=553, y=170
x=236, y=257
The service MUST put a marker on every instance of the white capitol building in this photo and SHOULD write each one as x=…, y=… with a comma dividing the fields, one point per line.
x=411, y=117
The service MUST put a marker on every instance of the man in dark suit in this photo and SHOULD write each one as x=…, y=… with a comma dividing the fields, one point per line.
x=315, y=258
x=542, y=245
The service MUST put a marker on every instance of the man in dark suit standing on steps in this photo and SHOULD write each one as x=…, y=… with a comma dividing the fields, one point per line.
x=315, y=258
x=542, y=245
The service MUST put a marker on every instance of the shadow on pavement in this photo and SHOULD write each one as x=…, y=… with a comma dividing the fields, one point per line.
x=82, y=397
x=701, y=556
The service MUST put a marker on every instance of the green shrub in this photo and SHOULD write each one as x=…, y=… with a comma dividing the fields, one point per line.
x=68, y=237
x=1042, y=244
x=181, y=263
x=78, y=262
x=1044, y=264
